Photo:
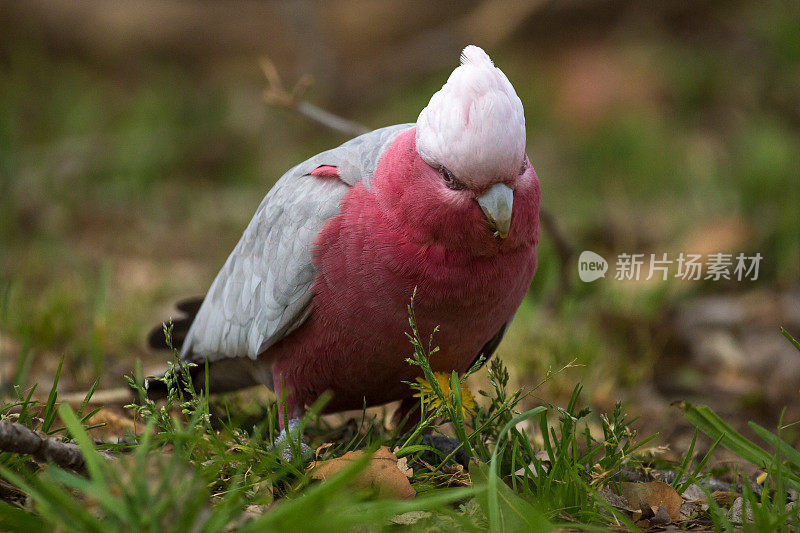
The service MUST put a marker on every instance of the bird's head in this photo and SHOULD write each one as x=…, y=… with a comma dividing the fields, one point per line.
x=472, y=134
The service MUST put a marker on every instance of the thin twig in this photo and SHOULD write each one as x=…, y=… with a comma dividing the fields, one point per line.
x=326, y=118
x=117, y=396
x=16, y=438
x=276, y=95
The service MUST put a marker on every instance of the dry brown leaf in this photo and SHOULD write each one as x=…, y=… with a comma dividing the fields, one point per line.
x=661, y=517
x=654, y=494
x=690, y=509
x=382, y=474
x=402, y=464
x=619, y=503
x=615, y=500
x=694, y=493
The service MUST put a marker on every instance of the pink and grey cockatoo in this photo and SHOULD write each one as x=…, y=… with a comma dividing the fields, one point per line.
x=314, y=296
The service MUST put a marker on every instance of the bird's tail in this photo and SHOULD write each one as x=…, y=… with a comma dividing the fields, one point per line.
x=170, y=336
x=224, y=375
x=157, y=338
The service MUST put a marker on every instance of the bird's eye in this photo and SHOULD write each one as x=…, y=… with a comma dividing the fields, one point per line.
x=449, y=179
x=524, y=166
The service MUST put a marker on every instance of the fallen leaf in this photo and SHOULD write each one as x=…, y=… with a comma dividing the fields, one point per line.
x=646, y=511
x=531, y=468
x=615, y=500
x=662, y=517
x=382, y=474
x=654, y=494
x=694, y=493
x=689, y=510
x=402, y=464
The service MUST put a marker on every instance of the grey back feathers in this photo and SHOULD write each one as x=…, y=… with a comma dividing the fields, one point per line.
x=263, y=292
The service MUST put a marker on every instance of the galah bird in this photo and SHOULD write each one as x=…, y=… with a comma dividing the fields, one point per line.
x=314, y=296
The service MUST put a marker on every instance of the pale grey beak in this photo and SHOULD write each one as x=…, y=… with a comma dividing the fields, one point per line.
x=496, y=205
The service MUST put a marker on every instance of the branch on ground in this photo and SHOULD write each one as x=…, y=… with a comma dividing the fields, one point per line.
x=16, y=438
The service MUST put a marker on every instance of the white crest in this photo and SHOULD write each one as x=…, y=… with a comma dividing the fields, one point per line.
x=474, y=125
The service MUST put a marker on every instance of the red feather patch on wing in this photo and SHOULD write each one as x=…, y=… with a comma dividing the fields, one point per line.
x=325, y=171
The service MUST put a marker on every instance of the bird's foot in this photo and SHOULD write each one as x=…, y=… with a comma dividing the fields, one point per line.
x=291, y=441
x=445, y=445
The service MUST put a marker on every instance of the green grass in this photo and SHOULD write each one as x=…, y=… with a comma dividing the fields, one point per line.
x=190, y=468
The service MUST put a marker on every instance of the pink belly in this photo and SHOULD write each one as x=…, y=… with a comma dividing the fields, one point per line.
x=354, y=342
x=361, y=355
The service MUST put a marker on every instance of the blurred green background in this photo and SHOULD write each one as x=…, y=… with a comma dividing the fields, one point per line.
x=135, y=146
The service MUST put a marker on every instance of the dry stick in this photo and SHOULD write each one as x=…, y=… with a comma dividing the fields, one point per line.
x=277, y=96
x=16, y=438
x=118, y=396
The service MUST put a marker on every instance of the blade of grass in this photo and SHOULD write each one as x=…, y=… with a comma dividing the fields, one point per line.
x=509, y=512
x=687, y=460
x=712, y=425
x=791, y=339
x=16, y=519
x=457, y=413
x=698, y=468
x=493, y=506
x=50, y=406
x=94, y=462
x=86, y=399
x=780, y=445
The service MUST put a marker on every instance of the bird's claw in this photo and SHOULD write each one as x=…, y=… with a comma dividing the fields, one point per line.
x=290, y=440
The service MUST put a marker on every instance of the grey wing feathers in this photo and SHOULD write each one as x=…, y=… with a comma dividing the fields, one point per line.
x=263, y=292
